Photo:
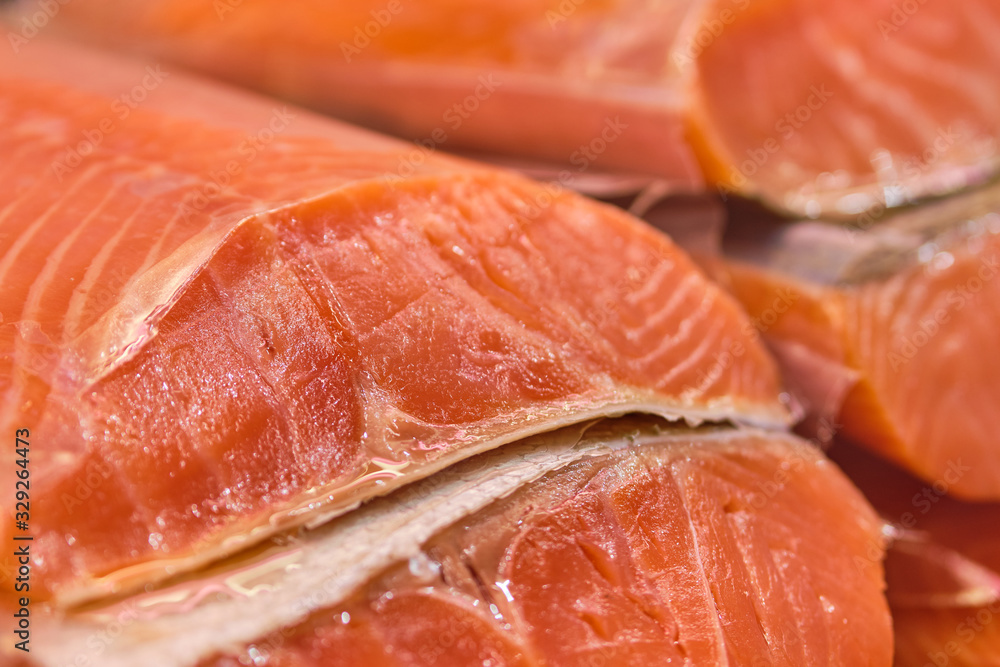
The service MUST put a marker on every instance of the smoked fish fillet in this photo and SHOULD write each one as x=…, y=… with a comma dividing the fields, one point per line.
x=480, y=76
x=889, y=333
x=618, y=544
x=942, y=569
x=222, y=318
x=819, y=108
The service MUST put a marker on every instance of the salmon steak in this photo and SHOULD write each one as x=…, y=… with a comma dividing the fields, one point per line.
x=835, y=108
x=942, y=569
x=888, y=333
x=215, y=333
x=478, y=76
x=620, y=543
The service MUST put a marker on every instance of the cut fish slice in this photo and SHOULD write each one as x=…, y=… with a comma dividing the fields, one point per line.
x=834, y=108
x=213, y=333
x=956, y=637
x=842, y=108
x=622, y=546
x=584, y=90
x=660, y=555
x=889, y=332
x=942, y=569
